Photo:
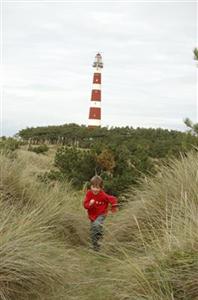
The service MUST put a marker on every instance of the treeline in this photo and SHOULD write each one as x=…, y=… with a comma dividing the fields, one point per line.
x=120, y=154
x=156, y=142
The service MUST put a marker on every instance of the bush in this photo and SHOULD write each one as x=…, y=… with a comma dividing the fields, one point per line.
x=39, y=149
x=9, y=145
x=77, y=165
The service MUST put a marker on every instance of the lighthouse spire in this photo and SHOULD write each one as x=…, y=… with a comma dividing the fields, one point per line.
x=95, y=108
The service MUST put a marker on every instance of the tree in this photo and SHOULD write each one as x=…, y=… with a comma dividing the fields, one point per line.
x=193, y=127
x=195, y=54
x=106, y=161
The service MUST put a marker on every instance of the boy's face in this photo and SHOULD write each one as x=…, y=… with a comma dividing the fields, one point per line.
x=95, y=189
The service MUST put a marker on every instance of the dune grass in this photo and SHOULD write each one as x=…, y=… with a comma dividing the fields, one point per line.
x=149, y=250
x=157, y=234
x=38, y=234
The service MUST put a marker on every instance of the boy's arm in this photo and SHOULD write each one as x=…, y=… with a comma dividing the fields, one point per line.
x=86, y=202
x=114, y=202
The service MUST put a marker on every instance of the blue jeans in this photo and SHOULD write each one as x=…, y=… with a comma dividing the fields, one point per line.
x=96, y=231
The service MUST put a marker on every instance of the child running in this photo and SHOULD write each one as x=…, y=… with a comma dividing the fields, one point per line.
x=97, y=203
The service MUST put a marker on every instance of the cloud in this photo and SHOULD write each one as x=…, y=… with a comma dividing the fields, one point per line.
x=149, y=75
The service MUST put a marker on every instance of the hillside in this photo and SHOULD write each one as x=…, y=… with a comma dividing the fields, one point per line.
x=149, y=250
x=121, y=155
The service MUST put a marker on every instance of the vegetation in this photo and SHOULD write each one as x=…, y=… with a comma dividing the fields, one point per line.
x=120, y=155
x=160, y=229
x=8, y=145
x=150, y=245
x=37, y=232
x=39, y=149
x=157, y=142
x=195, y=54
x=193, y=127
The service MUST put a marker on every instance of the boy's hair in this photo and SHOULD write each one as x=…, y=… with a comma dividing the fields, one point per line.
x=96, y=181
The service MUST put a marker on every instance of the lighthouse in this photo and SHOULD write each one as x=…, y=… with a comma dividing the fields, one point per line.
x=95, y=108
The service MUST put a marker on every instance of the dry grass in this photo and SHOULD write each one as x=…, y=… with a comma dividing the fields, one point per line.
x=157, y=235
x=37, y=232
x=149, y=250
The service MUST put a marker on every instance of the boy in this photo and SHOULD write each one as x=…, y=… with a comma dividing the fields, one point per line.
x=96, y=202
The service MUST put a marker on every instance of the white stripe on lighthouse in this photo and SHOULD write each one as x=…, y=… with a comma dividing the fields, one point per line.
x=97, y=70
x=94, y=122
x=95, y=103
x=96, y=86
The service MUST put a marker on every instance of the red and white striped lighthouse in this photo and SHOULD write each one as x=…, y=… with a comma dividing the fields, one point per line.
x=95, y=109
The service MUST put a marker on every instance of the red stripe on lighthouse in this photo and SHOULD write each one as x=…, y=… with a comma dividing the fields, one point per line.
x=95, y=113
x=96, y=95
x=97, y=78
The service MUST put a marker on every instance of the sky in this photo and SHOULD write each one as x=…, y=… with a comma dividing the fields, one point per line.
x=47, y=51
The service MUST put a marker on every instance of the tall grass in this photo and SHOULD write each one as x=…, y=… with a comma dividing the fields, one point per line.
x=157, y=235
x=37, y=231
x=149, y=250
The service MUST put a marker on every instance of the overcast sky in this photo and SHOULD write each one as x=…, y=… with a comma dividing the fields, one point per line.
x=149, y=76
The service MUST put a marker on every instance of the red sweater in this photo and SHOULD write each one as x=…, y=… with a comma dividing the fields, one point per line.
x=100, y=207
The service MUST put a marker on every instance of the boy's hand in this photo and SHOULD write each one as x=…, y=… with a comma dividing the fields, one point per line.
x=92, y=201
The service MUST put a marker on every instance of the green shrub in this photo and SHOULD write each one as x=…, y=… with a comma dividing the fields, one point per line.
x=77, y=165
x=39, y=149
x=9, y=145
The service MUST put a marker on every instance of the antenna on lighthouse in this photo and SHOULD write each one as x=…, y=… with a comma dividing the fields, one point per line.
x=95, y=108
